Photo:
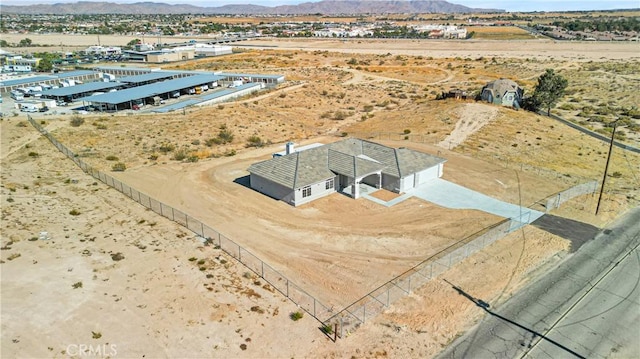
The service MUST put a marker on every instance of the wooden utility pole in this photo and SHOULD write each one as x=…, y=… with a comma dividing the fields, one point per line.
x=606, y=166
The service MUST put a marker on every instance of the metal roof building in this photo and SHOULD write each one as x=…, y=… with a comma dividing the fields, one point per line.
x=124, y=70
x=150, y=77
x=53, y=79
x=269, y=80
x=72, y=92
x=125, y=99
x=213, y=97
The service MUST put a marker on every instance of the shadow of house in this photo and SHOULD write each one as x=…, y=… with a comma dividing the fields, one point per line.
x=503, y=92
x=299, y=177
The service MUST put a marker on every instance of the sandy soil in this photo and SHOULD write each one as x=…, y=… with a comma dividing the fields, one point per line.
x=189, y=300
x=472, y=118
x=539, y=49
x=184, y=307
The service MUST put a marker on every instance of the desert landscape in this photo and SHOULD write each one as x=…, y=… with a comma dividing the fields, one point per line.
x=115, y=275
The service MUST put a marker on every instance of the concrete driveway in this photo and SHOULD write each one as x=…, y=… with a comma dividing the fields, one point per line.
x=451, y=195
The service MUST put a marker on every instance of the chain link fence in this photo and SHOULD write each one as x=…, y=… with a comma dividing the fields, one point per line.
x=376, y=301
x=293, y=292
x=365, y=308
x=559, y=198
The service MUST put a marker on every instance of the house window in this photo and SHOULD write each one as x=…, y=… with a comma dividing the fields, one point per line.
x=306, y=192
x=329, y=184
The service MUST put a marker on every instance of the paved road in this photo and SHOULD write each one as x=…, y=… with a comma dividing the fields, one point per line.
x=587, y=307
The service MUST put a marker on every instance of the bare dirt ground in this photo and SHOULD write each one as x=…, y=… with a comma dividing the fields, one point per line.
x=188, y=300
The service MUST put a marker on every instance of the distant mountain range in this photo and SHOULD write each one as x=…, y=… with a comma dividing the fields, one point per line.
x=325, y=7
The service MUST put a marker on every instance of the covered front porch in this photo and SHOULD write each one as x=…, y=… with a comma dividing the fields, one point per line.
x=355, y=187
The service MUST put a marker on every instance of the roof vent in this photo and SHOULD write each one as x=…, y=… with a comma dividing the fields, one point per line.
x=289, y=149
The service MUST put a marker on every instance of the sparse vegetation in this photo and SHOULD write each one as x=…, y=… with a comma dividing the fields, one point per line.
x=255, y=141
x=76, y=285
x=295, y=316
x=119, y=167
x=76, y=121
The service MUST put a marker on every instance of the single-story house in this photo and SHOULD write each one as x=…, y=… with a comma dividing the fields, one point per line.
x=299, y=177
x=503, y=92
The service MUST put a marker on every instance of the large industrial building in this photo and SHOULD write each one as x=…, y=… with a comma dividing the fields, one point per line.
x=113, y=89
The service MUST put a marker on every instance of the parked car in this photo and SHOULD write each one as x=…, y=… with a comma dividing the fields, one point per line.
x=43, y=109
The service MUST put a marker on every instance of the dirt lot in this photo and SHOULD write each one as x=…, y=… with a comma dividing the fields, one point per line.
x=193, y=301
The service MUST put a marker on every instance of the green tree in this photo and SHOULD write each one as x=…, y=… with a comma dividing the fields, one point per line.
x=45, y=65
x=25, y=42
x=132, y=43
x=549, y=90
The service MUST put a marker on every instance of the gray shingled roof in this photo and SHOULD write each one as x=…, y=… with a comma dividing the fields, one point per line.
x=351, y=157
x=502, y=86
x=352, y=166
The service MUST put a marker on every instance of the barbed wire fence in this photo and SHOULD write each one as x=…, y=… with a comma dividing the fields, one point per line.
x=277, y=280
x=363, y=309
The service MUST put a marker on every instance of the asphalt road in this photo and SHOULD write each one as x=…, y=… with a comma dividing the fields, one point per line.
x=587, y=307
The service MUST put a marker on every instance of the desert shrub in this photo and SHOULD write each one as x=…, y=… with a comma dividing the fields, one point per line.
x=295, y=316
x=224, y=136
x=111, y=158
x=230, y=153
x=367, y=108
x=76, y=121
x=76, y=285
x=119, y=167
x=166, y=147
x=407, y=131
x=255, y=141
x=339, y=115
x=153, y=157
x=180, y=154
x=21, y=124
x=74, y=212
x=33, y=154
x=327, y=328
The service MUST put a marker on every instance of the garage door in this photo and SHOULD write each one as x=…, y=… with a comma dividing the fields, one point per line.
x=426, y=175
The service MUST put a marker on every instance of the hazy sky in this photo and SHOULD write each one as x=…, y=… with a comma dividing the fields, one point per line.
x=509, y=5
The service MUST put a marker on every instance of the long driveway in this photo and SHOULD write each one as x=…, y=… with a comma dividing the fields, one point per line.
x=451, y=195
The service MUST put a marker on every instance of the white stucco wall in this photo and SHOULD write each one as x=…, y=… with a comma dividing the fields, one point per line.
x=271, y=189
x=318, y=190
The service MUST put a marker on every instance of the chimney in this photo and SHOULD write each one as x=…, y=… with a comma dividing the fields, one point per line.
x=289, y=148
